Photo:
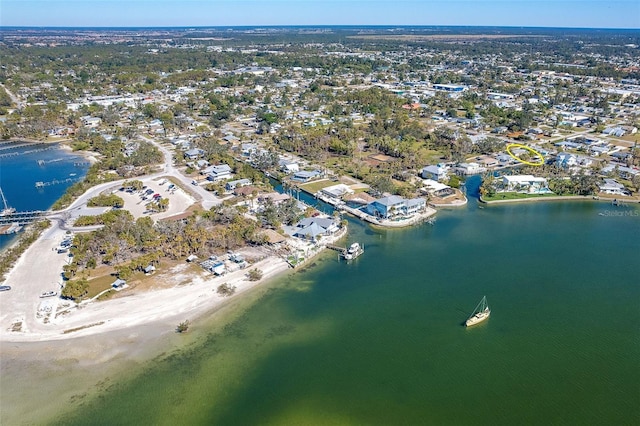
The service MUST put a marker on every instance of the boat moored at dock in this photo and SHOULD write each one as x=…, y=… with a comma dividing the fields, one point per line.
x=353, y=251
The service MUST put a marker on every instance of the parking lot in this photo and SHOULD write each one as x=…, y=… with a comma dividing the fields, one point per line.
x=136, y=201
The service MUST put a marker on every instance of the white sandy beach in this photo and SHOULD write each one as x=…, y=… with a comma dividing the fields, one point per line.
x=24, y=316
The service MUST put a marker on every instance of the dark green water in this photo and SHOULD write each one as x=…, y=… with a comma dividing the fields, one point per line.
x=380, y=341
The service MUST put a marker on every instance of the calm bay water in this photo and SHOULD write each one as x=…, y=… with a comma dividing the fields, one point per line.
x=20, y=170
x=380, y=340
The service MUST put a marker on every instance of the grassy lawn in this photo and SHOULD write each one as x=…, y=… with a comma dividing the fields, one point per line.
x=515, y=196
x=96, y=285
x=316, y=186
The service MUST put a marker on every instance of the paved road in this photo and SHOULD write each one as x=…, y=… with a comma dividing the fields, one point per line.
x=39, y=268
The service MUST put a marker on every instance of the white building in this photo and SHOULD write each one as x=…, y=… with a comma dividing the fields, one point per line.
x=336, y=191
x=438, y=172
x=525, y=183
x=611, y=186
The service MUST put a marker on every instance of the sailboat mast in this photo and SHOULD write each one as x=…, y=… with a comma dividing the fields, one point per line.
x=4, y=200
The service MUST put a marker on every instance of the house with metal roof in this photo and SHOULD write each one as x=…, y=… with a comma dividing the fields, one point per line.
x=525, y=183
x=194, y=153
x=306, y=176
x=218, y=172
x=311, y=227
x=438, y=172
x=612, y=186
x=232, y=185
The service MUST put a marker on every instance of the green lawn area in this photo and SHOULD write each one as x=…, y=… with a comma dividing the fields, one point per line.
x=515, y=196
x=313, y=187
x=96, y=285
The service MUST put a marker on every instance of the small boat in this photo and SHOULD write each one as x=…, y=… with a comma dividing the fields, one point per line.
x=480, y=313
x=12, y=228
x=353, y=251
x=49, y=294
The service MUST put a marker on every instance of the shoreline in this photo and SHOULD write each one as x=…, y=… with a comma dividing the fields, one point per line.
x=49, y=378
x=596, y=198
x=27, y=318
x=177, y=303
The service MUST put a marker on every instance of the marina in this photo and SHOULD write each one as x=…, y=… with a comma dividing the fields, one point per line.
x=21, y=170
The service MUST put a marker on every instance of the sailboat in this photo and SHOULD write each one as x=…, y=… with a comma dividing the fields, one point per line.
x=7, y=210
x=480, y=313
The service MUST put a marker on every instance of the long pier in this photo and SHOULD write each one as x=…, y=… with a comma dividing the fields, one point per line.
x=41, y=184
x=30, y=151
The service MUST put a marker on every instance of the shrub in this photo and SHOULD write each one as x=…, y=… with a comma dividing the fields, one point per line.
x=255, y=274
x=183, y=327
x=226, y=290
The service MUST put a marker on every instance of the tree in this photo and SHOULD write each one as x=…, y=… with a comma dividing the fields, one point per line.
x=75, y=289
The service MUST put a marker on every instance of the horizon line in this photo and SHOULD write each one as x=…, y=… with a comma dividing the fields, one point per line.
x=310, y=26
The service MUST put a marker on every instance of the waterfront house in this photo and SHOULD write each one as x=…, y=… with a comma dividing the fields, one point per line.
x=311, y=227
x=611, y=186
x=465, y=169
x=336, y=191
x=525, y=183
x=306, y=176
x=436, y=188
x=395, y=205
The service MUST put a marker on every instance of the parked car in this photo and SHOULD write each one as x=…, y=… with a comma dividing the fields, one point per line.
x=5, y=287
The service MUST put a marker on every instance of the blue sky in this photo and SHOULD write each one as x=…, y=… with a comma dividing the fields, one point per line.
x=531, y=13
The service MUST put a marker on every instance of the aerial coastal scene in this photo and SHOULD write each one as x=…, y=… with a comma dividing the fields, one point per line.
x=319, y=213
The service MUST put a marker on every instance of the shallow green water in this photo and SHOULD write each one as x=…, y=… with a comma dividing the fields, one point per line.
x=380, y=341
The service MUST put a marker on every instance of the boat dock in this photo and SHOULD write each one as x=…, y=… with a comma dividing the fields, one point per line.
x=22, y=218
x=353, y=251
x=41, y=184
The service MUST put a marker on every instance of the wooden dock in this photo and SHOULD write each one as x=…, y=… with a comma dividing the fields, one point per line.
x=336, y=248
